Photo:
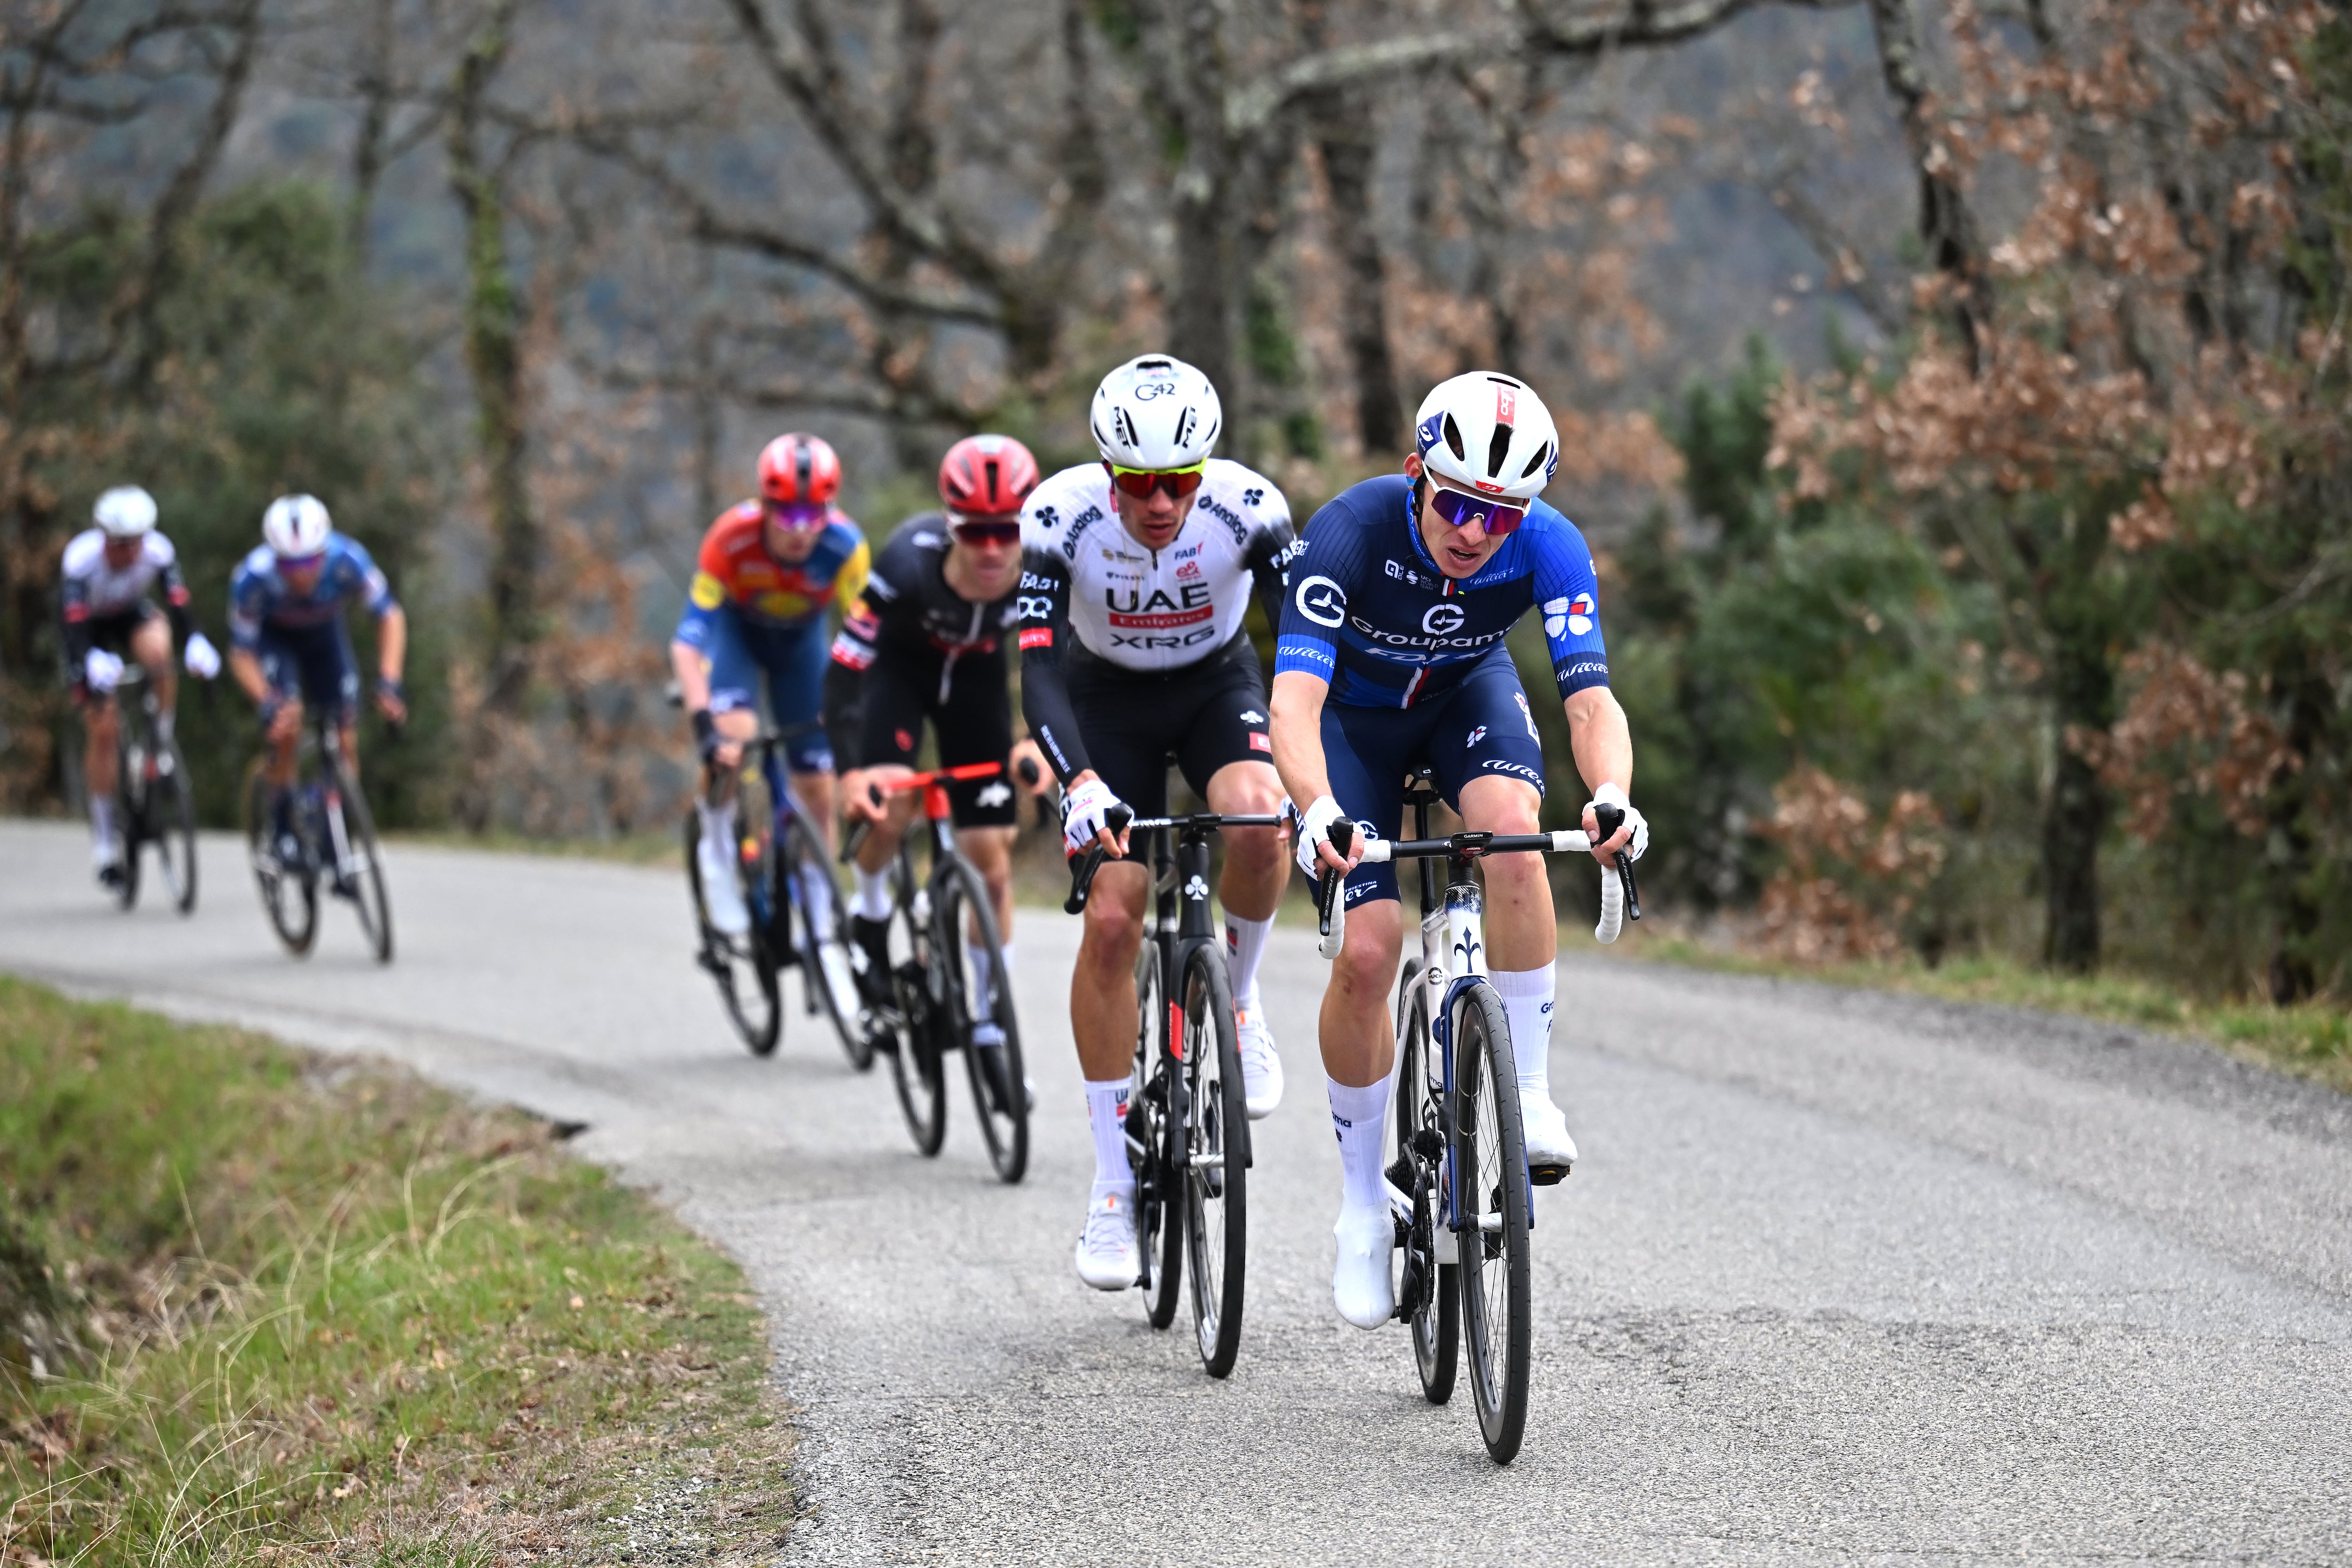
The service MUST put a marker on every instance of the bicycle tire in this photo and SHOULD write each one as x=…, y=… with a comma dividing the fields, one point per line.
x=1216, y=1128
x=1436, y=1325
x=1000, y=1093
x=917, y=1072
x=130, y=808
x=747, y=986
x=370, y=897
x=804, y=856
x=296, y=923
x=178, y=814
x=1490, y=1165
x=1159, y=1225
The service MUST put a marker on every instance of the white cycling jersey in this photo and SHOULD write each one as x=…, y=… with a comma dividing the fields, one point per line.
x=99, y=589
x=1142, y=609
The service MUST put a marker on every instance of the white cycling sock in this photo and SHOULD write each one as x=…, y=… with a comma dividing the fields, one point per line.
x=101, y=823
x=1245, y=945
x=718, y=827
x=1527, y=997
x=872, y=899
x=816, y=895
x=1106, y=1115
x=164, y=726
x=1360, y=1117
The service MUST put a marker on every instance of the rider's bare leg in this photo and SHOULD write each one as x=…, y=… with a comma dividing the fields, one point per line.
x=1102, y=989
x=102, y=722
x=1522, y=936
x=1358, y=1047
x=814, y=793
x=150, y=644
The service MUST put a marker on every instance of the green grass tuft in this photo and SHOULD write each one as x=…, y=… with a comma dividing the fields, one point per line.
x=284, y=1305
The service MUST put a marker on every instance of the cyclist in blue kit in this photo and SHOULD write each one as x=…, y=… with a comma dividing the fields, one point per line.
x=1391, y=657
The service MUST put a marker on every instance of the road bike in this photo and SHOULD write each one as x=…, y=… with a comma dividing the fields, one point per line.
x=948, y=992
x=786, y=878
x=1188, y=1131
x=325, y=834
x=154, y=801
x=1459, y=1188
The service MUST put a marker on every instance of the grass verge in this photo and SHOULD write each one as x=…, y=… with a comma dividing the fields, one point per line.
x=2312, y=1039
x=260, y=1306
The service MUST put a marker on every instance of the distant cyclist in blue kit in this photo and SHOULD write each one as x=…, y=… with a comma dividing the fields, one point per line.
x=1391, y=657
x=289, y=650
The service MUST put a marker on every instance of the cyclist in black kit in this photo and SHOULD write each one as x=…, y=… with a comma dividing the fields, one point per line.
x=927, y=641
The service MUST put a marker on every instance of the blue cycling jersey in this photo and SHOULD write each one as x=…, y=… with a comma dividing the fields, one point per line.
x=260, y=596
x=1369, y=611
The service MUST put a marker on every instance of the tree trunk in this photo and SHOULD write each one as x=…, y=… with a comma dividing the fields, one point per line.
x=2296, y=870
x=376, y=83
x=1946, y=226
x=1203, y=318
x=1344, y=135
x=2078, y=618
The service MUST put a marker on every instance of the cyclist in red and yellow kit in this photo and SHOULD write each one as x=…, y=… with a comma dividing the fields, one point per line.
x=770, y=571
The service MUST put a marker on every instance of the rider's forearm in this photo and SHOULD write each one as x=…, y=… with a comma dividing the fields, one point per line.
x=1600, y=739
x=1297, y=728
x=391, y=645
x=693, y=680
x=247, y=671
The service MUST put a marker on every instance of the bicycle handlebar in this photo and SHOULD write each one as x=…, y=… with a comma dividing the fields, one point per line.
x=1621, y=898
x=1083, y=869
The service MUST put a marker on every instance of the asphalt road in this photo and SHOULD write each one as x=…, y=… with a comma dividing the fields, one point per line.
x=1842, y=1277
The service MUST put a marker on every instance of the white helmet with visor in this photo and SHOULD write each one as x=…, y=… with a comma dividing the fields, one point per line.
x=1488, y=434
x=296, y=527
x=1155, y=412
x=126, y=512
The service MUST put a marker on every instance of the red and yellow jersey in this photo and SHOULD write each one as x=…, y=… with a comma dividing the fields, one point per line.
x=735, y=572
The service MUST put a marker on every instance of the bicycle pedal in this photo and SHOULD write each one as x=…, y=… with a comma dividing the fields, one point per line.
x=1547, y=1176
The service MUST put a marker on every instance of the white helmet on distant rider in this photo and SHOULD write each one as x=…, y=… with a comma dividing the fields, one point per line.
x=1155, y=412
x=126, y=512
x=1487, y=434
x=296, y=527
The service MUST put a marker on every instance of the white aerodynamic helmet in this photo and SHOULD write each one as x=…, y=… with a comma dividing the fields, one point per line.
x=1488, y=433
x=126, y=512
x=295, y=526
x=1155, y=412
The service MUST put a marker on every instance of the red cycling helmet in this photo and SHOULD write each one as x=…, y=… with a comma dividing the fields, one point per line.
x=987, y=475
x=798, y=468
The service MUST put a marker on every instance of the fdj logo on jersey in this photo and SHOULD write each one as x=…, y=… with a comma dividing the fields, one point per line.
x=1322, y=601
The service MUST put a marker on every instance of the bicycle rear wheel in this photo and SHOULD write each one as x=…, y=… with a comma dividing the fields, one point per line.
x=827, y=985
x=172, y=813
x=978, y=994
x=289, y=894
x=746, y=981
x=1436, y=1319
x=916, y=1069
x=1159, y=1195
x=1216, y=1147
x=1490, y=1165
x=359, y=866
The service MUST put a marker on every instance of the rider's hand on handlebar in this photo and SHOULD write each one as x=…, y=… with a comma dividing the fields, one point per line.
x=1084, y=809
x=1036, y=778
x=1315, y=852
x=1632, y=836
x=286, y=719
x=865, y=796
x=390, y=702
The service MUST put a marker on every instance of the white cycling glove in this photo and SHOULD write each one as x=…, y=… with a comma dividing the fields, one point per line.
x=1610, y=794
x=1083, y=812
x=101, y=672
x=203, y=660
x=1314, y=829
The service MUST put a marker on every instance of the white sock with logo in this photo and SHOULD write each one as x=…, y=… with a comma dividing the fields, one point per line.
x=718, y=827
x=1359, y=1117
x=1527, y=997
x=1245, y=945
x=1107, y=1116
x=872, y=899
x=101, y=823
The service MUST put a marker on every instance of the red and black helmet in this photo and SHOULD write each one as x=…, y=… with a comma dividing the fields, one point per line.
x=799, y=468
x=987, y=475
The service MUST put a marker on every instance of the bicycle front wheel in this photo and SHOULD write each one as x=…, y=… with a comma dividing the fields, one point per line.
x=359, y=865
x=1437, y=1314
x=916, y=1069
x=289, y=895
x=130, y=813
x=1491, y=1198
x=979, y=996
x=172, y=813
x=827, y=983
x=738, y=965
x=1215, y=1158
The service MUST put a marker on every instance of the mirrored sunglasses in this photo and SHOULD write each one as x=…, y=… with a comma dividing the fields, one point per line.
x=984, y=529
x=797, y=514
x=1461, y=510
x=1141, y=482
x=301, y=562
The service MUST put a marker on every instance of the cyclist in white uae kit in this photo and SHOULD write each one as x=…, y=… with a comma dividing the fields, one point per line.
x=1136, y=576
x=1391, y=657
x=109, y=572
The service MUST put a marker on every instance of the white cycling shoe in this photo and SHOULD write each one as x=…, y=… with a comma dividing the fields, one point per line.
x=722, y=895
x=1361, y=1287
x=1261, y=1067
x=1550, y=1150
x=1107, y=1256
